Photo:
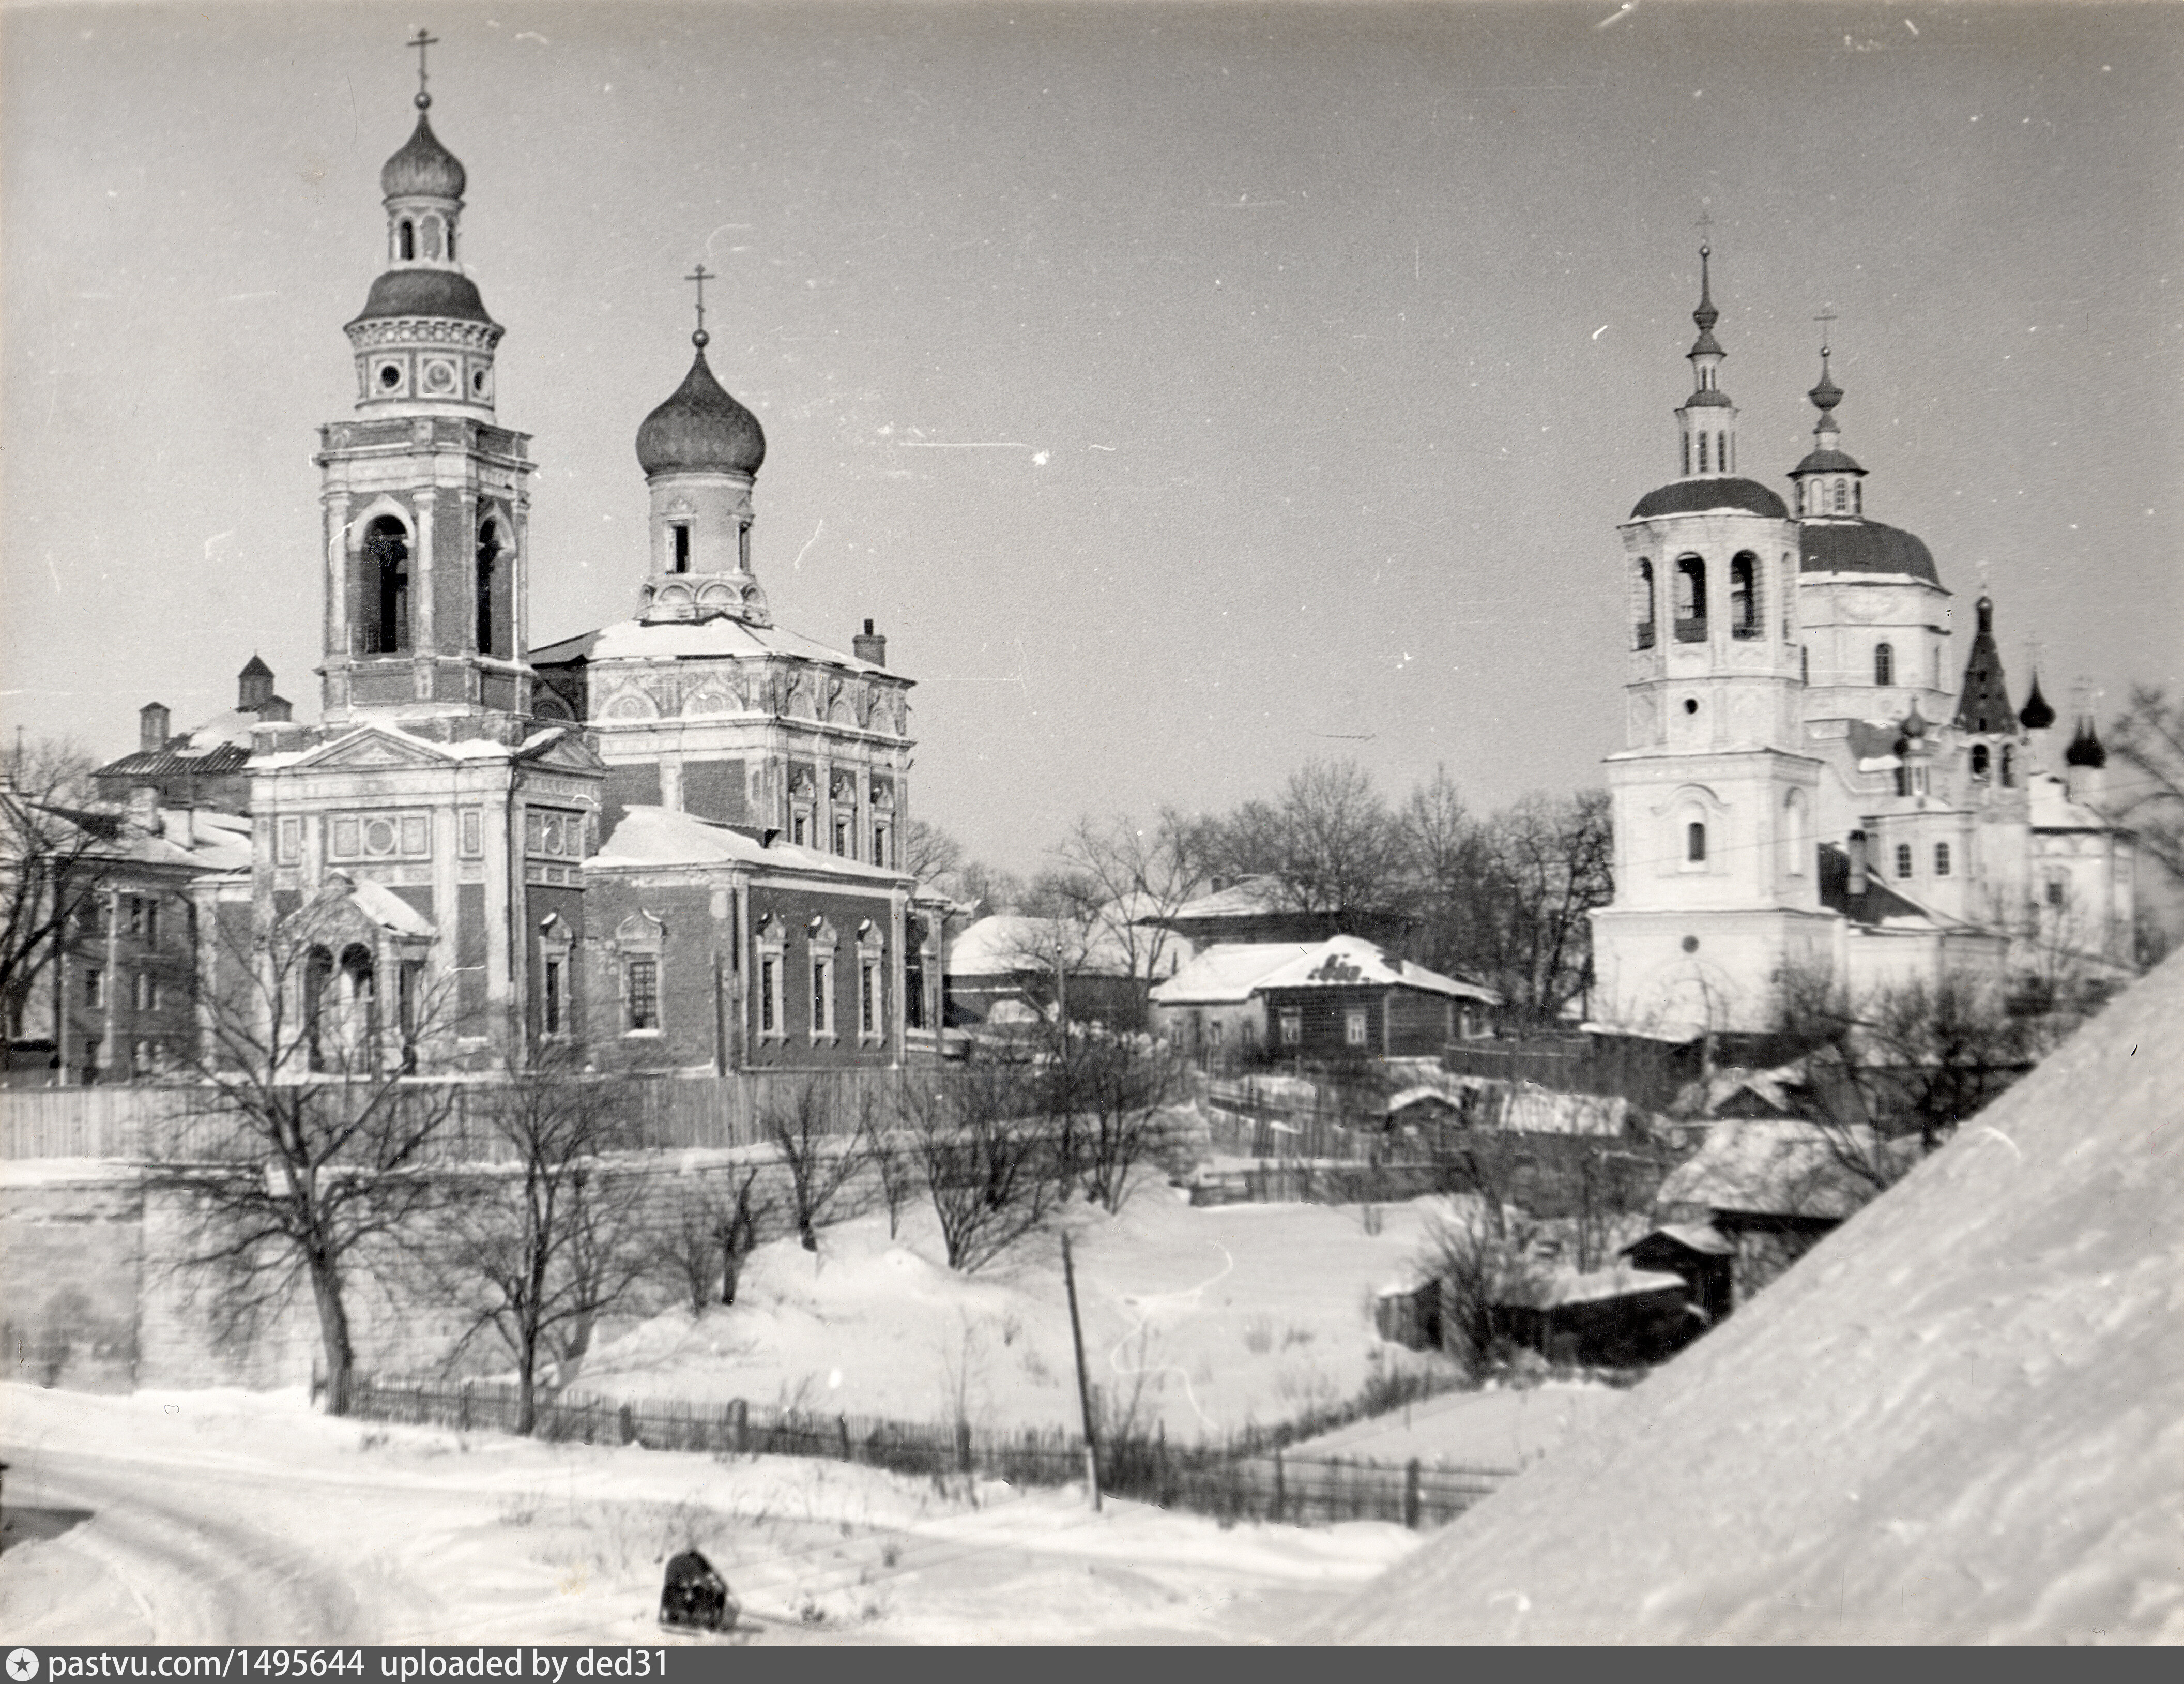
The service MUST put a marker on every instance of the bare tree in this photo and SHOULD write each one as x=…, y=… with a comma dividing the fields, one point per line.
x=1129, y=873
x=2149, y=738
x=1110, y=1097
x=986, y=1158
x=305, y=1154
x=50, y=846
x=535, y=1247
x=1329, y=841
x=823, y=1150
x=1553, y=863
x=1484, y=1263
x=715, y=1230
x=927, y=851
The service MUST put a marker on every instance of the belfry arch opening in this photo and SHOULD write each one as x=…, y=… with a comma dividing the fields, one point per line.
x=1744, y=595
x=495, y=608
x=405, y=240
x=383, y=581
x=1690, y=599
x=1642, y=605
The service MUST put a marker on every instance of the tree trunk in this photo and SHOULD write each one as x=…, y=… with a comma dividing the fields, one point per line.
x=333, y=1335
x=526, y=1388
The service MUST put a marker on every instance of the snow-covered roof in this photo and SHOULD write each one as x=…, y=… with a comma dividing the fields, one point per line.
x=1599, y=1284
x=1703, y=1237
x=386, y=909
x=1225, y=974
x=1770, y=1167
x=1241, y=899
x=1343, y=960
x=685, y=639
x=2049, y=807
x=666, y=836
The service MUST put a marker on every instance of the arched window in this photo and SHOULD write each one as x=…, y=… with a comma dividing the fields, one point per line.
x=1979, y=760
x=1903, y=780
x=1744, y=596
x=431, y=243
x=1690, y=599
x=1687, y=453
x=1642, y=605
x=678, y=547
x=1941, y=859
x=1721, y=451
x=359, y=1003
x=1703, y=453
x=1795, y=847
x=318, y=977
x=1884, y=664
x=1842, y=497
x=1695, y=842
x=2009, y=768
x=383, y=624
x=406, y=240
x=1858, y=497
x=493, y=632
x=1903, y=859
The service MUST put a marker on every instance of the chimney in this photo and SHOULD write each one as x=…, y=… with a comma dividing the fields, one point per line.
x=1857, y=851
x=869, y=645
x=151, y=728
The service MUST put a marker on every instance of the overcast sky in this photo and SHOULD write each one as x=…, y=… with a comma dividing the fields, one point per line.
x=1186, y=391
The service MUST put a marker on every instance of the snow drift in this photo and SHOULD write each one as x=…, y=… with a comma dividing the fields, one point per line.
x=1959, y=1419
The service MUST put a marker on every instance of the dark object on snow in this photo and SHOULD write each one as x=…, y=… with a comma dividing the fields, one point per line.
x=696, y=1596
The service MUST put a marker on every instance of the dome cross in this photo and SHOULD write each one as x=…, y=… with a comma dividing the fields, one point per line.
x=420, y=41
x=701, y=275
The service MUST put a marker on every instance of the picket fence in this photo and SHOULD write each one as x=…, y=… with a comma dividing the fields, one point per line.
x=1250, y=1476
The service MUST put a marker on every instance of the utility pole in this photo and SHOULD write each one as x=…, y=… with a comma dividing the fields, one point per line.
x=1084, y=1387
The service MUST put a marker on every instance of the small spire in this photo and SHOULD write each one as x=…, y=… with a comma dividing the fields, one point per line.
x=420, y=41
x=1706, y=315
x=701, y=275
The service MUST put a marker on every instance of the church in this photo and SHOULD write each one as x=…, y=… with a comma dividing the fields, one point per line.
x=674, y=842
x=1813, y=784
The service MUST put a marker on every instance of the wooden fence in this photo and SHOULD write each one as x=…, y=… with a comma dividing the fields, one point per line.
x=1251, y=1476
x=133, y=1123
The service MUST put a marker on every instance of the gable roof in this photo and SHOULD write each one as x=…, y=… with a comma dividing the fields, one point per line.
x=666, y=836
x=1225, y=974
x=1770, y=1167
x=1350, y=960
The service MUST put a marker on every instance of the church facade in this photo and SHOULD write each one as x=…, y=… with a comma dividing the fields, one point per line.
x=1812, y=786
x=675, y=841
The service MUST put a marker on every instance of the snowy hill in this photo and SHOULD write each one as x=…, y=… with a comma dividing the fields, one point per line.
x=1960, y=1418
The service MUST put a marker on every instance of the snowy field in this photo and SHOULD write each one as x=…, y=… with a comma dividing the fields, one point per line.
x=1202, y=1321
x=216, y=1516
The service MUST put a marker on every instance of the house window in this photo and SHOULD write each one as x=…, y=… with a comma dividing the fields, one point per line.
x=1903, y=859
x=2009, y=768
x=94, y=986
x=799, y=826
x=1903, y=780
x=91, y=1046
x=678, y=548
x=769, y=995
x=868, y=998
x=1213, y=1033
x=1941, y=859
x=880, y=854
x=823, y=996
x=2058, y=891
x=1292, y=1028
x=1979, y=760
x=553, y=1002
x=1353, y=1029
x=1884, y=664
x=843, y=834
x=641, y=992
x=1695, y=843
x=1842, y=496
x=147, y=992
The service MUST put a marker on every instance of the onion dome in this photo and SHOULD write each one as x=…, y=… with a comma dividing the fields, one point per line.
x=701, y=429
x=423, y=167
x=1697, y=496
x=2037, y=714
x=2085, y=748
x=1915, y=723
x=1827, y=394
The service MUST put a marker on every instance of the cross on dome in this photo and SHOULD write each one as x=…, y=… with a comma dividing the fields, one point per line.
x=701, y=275
x=420, y=41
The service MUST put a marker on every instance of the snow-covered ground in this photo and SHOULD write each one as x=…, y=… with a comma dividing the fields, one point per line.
x=214, y=1516
x=1204, y=1320
x=1504, y=1427
x=1959, y=1419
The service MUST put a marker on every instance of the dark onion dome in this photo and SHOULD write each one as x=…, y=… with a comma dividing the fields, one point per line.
x=1707, y=396
x=424, y=291
x=701, y=429
x=423, y=166
x=2037, y=714
x=1826, y=462
x=1698, y=496
x=1827, y=394
x=1864, y=547
x=2085, y=748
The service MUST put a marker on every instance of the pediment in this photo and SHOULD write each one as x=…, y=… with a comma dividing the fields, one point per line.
x=567, y=752
x=371, y=748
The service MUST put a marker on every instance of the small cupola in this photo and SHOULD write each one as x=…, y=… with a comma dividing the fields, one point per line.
x=1830, y=484
x=1706, y=418
x=2037, y=714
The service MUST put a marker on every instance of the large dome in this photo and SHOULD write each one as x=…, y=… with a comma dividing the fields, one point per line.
x=1865, y=547
x=423, y=166
x=1698, y=496
x=701, y=429
x=424, y=291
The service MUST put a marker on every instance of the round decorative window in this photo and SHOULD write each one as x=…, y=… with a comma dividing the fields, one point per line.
x=379, y=836
x=1691, y=943
x=390, y=376
x=477, y=383
x=1691, y=704
x=439, y=376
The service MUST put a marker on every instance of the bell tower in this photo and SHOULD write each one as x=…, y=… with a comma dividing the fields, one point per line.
x=1716, y=864
x=426, y=497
